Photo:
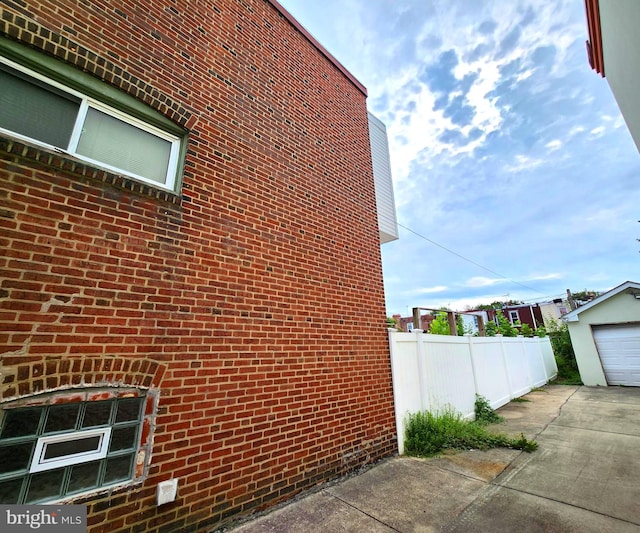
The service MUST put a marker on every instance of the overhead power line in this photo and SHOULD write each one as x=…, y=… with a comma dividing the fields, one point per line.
x=449, y=250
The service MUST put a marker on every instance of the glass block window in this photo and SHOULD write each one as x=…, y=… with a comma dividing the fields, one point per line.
x=54, y=451
x=47, y=113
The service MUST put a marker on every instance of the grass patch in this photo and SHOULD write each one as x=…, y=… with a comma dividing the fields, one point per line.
x=520, y=400
x=571, y=377
x=427, y=434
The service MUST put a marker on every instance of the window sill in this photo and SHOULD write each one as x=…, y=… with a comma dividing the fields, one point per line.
x=59, y=161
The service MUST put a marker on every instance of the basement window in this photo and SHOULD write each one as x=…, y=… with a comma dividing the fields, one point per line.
x=48, y=113
x=51, y=452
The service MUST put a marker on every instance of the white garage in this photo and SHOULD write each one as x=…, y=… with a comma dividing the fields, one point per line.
x=605, y=335
x=619, y=350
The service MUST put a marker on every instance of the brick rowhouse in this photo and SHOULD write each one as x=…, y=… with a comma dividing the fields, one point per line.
x=247, y=306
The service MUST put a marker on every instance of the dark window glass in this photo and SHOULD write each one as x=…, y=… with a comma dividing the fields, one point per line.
x=118, y=469
x=10, y=490
x=33, y=111
x=128, y=410
x=97, y=414
x=123, y=438
x=84, y=477
x=45, y=485
x=21, y=422
x=16, y=457
x=62, y=417
x=71, y=447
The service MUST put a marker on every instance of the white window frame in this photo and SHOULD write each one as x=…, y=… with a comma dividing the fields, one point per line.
x=85, y=103
x=511, y=317
x=39, y=463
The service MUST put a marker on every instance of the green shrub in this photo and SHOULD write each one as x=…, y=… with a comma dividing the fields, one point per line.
x=505, y=327
x=526, y=330
x=484, y=412
x=440, y=325
x=490, y=329
x=568, y=372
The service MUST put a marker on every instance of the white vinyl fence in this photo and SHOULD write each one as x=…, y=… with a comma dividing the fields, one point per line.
x=437, y=372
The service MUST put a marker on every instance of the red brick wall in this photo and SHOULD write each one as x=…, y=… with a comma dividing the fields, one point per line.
x=252, y=302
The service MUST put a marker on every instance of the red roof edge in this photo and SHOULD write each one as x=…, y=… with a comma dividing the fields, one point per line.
x=315, y=43
x=594, y=44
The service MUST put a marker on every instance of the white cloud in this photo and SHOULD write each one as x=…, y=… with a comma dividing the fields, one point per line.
x=542, y=277
x=430, y=290
x=522, y=163
x=575, y=130
x=480, y=281
x=556, y=144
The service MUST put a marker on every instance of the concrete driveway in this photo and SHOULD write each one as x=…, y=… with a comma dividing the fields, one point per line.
x=585, y=477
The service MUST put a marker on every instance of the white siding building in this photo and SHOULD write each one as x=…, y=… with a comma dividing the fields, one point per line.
x=387, y=222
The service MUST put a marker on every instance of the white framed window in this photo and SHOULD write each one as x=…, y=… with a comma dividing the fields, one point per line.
x=53, y=451
x=513, y=316
x=47, y=113
x=70, y=449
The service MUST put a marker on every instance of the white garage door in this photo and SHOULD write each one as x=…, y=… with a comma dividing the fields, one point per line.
x=619, y=349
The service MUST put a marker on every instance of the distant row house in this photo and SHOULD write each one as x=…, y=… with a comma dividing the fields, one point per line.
x=534, y=315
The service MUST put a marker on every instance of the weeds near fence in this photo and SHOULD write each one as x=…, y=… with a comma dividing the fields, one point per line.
x=485, y=414
x=427, y=434
x=568, y=373
x=520, y=400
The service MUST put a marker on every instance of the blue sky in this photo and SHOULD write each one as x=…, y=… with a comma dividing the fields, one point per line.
x=506, y=148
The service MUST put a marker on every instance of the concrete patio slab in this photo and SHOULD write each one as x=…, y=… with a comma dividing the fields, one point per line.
x=317, y=512
x=594, y=470
x=476, y=464
x=521, y=417
x=427, y=498
x=627, y=395
x=508, y=511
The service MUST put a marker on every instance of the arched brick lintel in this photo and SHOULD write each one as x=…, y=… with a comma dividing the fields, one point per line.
x=22, y=377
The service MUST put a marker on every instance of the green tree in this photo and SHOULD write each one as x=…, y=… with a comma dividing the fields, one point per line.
x=505, y=327
x=526, y=330
x=491, y=329
x=392, y=323
x=563, y=351
x=496, y=305
x=440, y=324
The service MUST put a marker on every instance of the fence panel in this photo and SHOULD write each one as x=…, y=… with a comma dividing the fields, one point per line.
x=537, y=369
x=436, y=372
x=448, y=361
x=550, y=365
x=517, y=366
x=492, y=380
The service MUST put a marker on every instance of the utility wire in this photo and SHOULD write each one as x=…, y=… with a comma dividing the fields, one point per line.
x=467, y=259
